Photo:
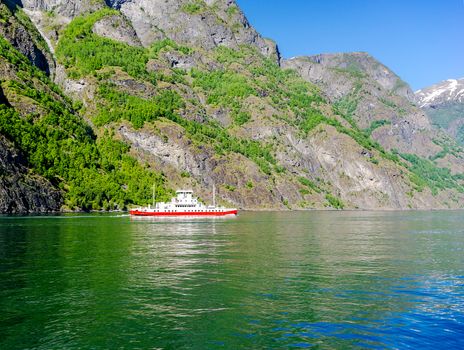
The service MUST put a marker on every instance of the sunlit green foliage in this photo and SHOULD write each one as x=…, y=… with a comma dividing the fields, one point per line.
x=447, y=148
x=427, y=173
x=232, y=10
x=123, y=106
x=224, y=54
x=166, y=44
x=94, y=173
x=334, y=202
x=346, y=107
x=83, y=52
x=309, y=184
x=118, y=105
x=241, y=118
x=194, y=7
x=375, y=125
x=223, y=87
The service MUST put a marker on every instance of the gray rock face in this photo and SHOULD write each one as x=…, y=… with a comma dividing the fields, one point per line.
x=213, y=23
x=117, y=28
x=21, y=192
x=22, y=39
x=337, y=158
x=319, y=67
x=175, y=151
x=375, y=92
x=179, y=61
x=207, y=25
x=67, y=8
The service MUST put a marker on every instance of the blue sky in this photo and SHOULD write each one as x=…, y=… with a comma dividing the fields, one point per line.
x=421, y=41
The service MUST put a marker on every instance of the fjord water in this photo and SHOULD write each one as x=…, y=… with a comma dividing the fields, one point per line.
x=261, y=280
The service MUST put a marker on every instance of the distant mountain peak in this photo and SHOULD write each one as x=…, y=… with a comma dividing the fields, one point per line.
x=447, y=91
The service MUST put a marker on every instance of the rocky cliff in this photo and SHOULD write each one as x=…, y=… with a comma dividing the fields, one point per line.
x=17, y=28
x=21, y=191
x=188, y=94
x=375, y=99
x=205, y=24
x=372, y=96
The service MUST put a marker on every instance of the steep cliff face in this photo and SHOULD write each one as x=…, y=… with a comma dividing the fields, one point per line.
x=66, y=8
x=197, y=23
x=201, y=23
x=18, y=29
x=444, y=103
x=338, y=73
x=373, y=98
x=21, y=191
x=187, y=94
x=371, y=95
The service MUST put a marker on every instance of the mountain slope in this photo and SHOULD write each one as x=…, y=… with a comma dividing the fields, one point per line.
x=205, y=24
x=57, y=153
x=181, y=111
x=444, y=103
x=373, y=98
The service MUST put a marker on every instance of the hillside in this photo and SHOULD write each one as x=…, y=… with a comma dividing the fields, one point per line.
x=375, y=99
x=444, y=103
x=187, y=93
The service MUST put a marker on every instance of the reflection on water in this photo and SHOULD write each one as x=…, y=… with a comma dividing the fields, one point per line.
x=261, y=280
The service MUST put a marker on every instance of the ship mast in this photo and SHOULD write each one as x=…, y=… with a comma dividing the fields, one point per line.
x=214, y=195
x=154, y=190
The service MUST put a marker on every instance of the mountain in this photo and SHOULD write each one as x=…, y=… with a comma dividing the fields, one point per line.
x=372, y=97
x=187, y=94
x=448, y=91
x=444, y=103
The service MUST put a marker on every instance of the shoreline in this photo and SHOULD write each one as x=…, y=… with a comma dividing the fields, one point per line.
x=126, y=212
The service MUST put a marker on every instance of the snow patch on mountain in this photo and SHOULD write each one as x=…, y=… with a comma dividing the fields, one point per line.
x=451, y=90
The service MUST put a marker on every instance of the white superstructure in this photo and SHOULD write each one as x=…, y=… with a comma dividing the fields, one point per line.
x=183, y=204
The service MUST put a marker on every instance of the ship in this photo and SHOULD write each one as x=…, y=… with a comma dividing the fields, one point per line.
x=184, y=204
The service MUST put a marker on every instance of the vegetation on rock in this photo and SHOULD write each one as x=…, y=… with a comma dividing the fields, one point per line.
x=93, y=172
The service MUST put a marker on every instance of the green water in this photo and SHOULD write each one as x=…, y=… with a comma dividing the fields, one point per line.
x=262, y=280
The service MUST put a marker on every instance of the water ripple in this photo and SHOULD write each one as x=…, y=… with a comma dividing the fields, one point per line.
x=325, y=280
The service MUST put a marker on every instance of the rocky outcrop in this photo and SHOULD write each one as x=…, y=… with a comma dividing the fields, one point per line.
x=20, y=190
x=22, y=34
x=198, y=23
x=173, y=150
x=117, y=28
x=368, y=92
x=328, y=69
x=67, y=8
x=205, y=24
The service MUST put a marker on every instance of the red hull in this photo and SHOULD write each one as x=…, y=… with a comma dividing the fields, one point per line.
x=205, y=213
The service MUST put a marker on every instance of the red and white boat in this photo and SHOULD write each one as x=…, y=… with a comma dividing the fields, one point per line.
x=184, y=204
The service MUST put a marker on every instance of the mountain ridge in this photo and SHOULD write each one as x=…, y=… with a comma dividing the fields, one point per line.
x=450, y=90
